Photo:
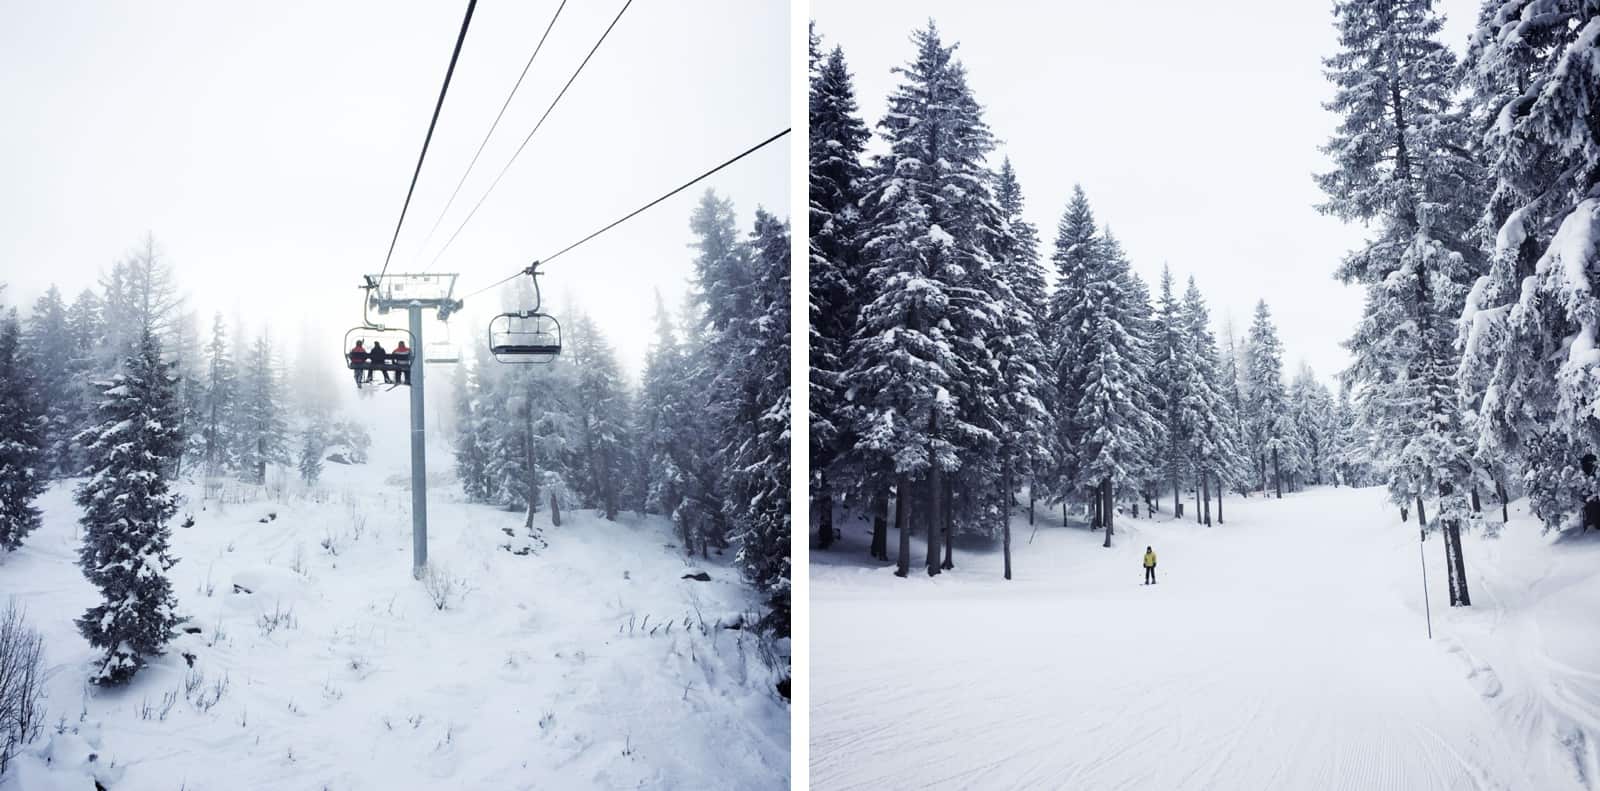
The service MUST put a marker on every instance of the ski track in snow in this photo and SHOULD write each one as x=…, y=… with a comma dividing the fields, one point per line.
x=1285, y=649
x=524, y=682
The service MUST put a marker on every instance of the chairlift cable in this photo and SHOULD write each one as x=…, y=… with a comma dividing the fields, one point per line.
x=492, y=127
x=525, y=140
x=632, y=214
x=439, y=105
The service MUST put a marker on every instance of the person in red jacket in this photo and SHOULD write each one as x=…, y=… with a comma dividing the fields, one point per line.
x=401, y=356
x=358, y=361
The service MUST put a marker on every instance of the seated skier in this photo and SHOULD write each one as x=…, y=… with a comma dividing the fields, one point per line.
x=380, y=359
x=401, y=359
x=358, y=361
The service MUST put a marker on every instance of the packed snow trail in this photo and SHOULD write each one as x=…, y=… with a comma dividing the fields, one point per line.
x=1285, y=649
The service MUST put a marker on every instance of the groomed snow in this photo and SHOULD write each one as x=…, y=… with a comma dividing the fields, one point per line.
x=530, y=679
x=1285, y=649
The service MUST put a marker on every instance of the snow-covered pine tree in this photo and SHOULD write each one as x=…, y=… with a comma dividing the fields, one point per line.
x=1401, y=158
x=261, y=433
x=313, y=444
x=1530, y=330
x=1173, y=377
x=471, y=454
x=665, y=416
x=219, y=393
x=1214, y=437
x=837, y=180
x=1120, y=429
x=1078, y=250
x=24, y=457
x=921, y=373
x=132, y=446
x=1312, y=405
x=601, y=408
x=1270, y=424
x=756, y=439
x=1025, y=422
x=49, y=343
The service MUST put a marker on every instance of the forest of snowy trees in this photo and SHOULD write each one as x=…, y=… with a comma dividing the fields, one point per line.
x=954, y=369
x=117, y=389
x=952, y=373
x=704, y=438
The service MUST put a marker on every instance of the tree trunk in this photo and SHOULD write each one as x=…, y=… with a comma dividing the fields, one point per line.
x=1459, y=596
x=824, y=508
x=1106, y=508
x=902, y=506
x=880, y=526
x=1277, y=476
x=1176, y=501
x=1005, y=542
x=1205, y=496
x=1422, y=517
x=933, y=486
x=1500, y=491
x=1219, y=500
x=1477, y=505
x=1032, y=485
x=949, y=525
x=555, y=511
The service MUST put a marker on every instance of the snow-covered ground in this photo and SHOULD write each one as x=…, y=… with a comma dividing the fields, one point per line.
x=1283, y=650
x=591, y=663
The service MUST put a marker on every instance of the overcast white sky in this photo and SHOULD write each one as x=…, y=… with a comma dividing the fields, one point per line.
x=1194, y=127
x=268, y=146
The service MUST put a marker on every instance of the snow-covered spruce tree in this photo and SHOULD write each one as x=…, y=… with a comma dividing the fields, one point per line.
x=84, y=328
x=219, y=392
x=1214, y=437
x=471, y=453
x=126, y=505
x=260, y=433
x=313, y=444
x=1078, y=250
x=837, y=180
x=1118, y=424
x=600, y=410
x=756, y=439
x=1312, y=405
x=1401, y=159
x=922, y=377
x=49, y=343
x=1025, y=424
x=1270, y=425
x=666, y=416
x=24, y=472
x=1529, y=326
x=1245, y=473
x=1173, y=379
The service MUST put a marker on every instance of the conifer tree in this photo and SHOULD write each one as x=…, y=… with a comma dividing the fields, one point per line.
x=837, y=179
x=1078, y=250
x=1528, y=363
x=127, y=504
x=260, y=435
x=601, y=411
x=313, y=443
x=219, y=391
x=1271, y=427
x=23, y=445
x=49, y=342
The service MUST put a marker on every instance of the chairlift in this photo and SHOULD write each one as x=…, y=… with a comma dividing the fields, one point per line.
x=442, y=351
x=525, y=336
x=361, y=343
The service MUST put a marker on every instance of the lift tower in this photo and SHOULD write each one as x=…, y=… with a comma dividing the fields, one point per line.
x=414, y=293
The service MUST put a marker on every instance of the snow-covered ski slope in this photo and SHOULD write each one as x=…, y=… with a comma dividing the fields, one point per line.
x=1283, y=650
x=541, y=673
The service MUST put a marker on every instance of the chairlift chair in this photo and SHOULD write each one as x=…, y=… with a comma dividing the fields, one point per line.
x=525, y=337
x=371, y=335
x=442, y=351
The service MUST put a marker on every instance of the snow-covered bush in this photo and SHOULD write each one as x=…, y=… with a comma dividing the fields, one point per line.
x=21, y=683
x=443, y=589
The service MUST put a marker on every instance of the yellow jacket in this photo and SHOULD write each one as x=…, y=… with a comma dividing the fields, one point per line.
x=1150, y=559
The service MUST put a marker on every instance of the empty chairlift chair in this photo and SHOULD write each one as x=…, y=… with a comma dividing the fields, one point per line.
x=525, y=337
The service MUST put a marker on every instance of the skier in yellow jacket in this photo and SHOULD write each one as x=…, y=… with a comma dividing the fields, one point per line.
x=1149, y=566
